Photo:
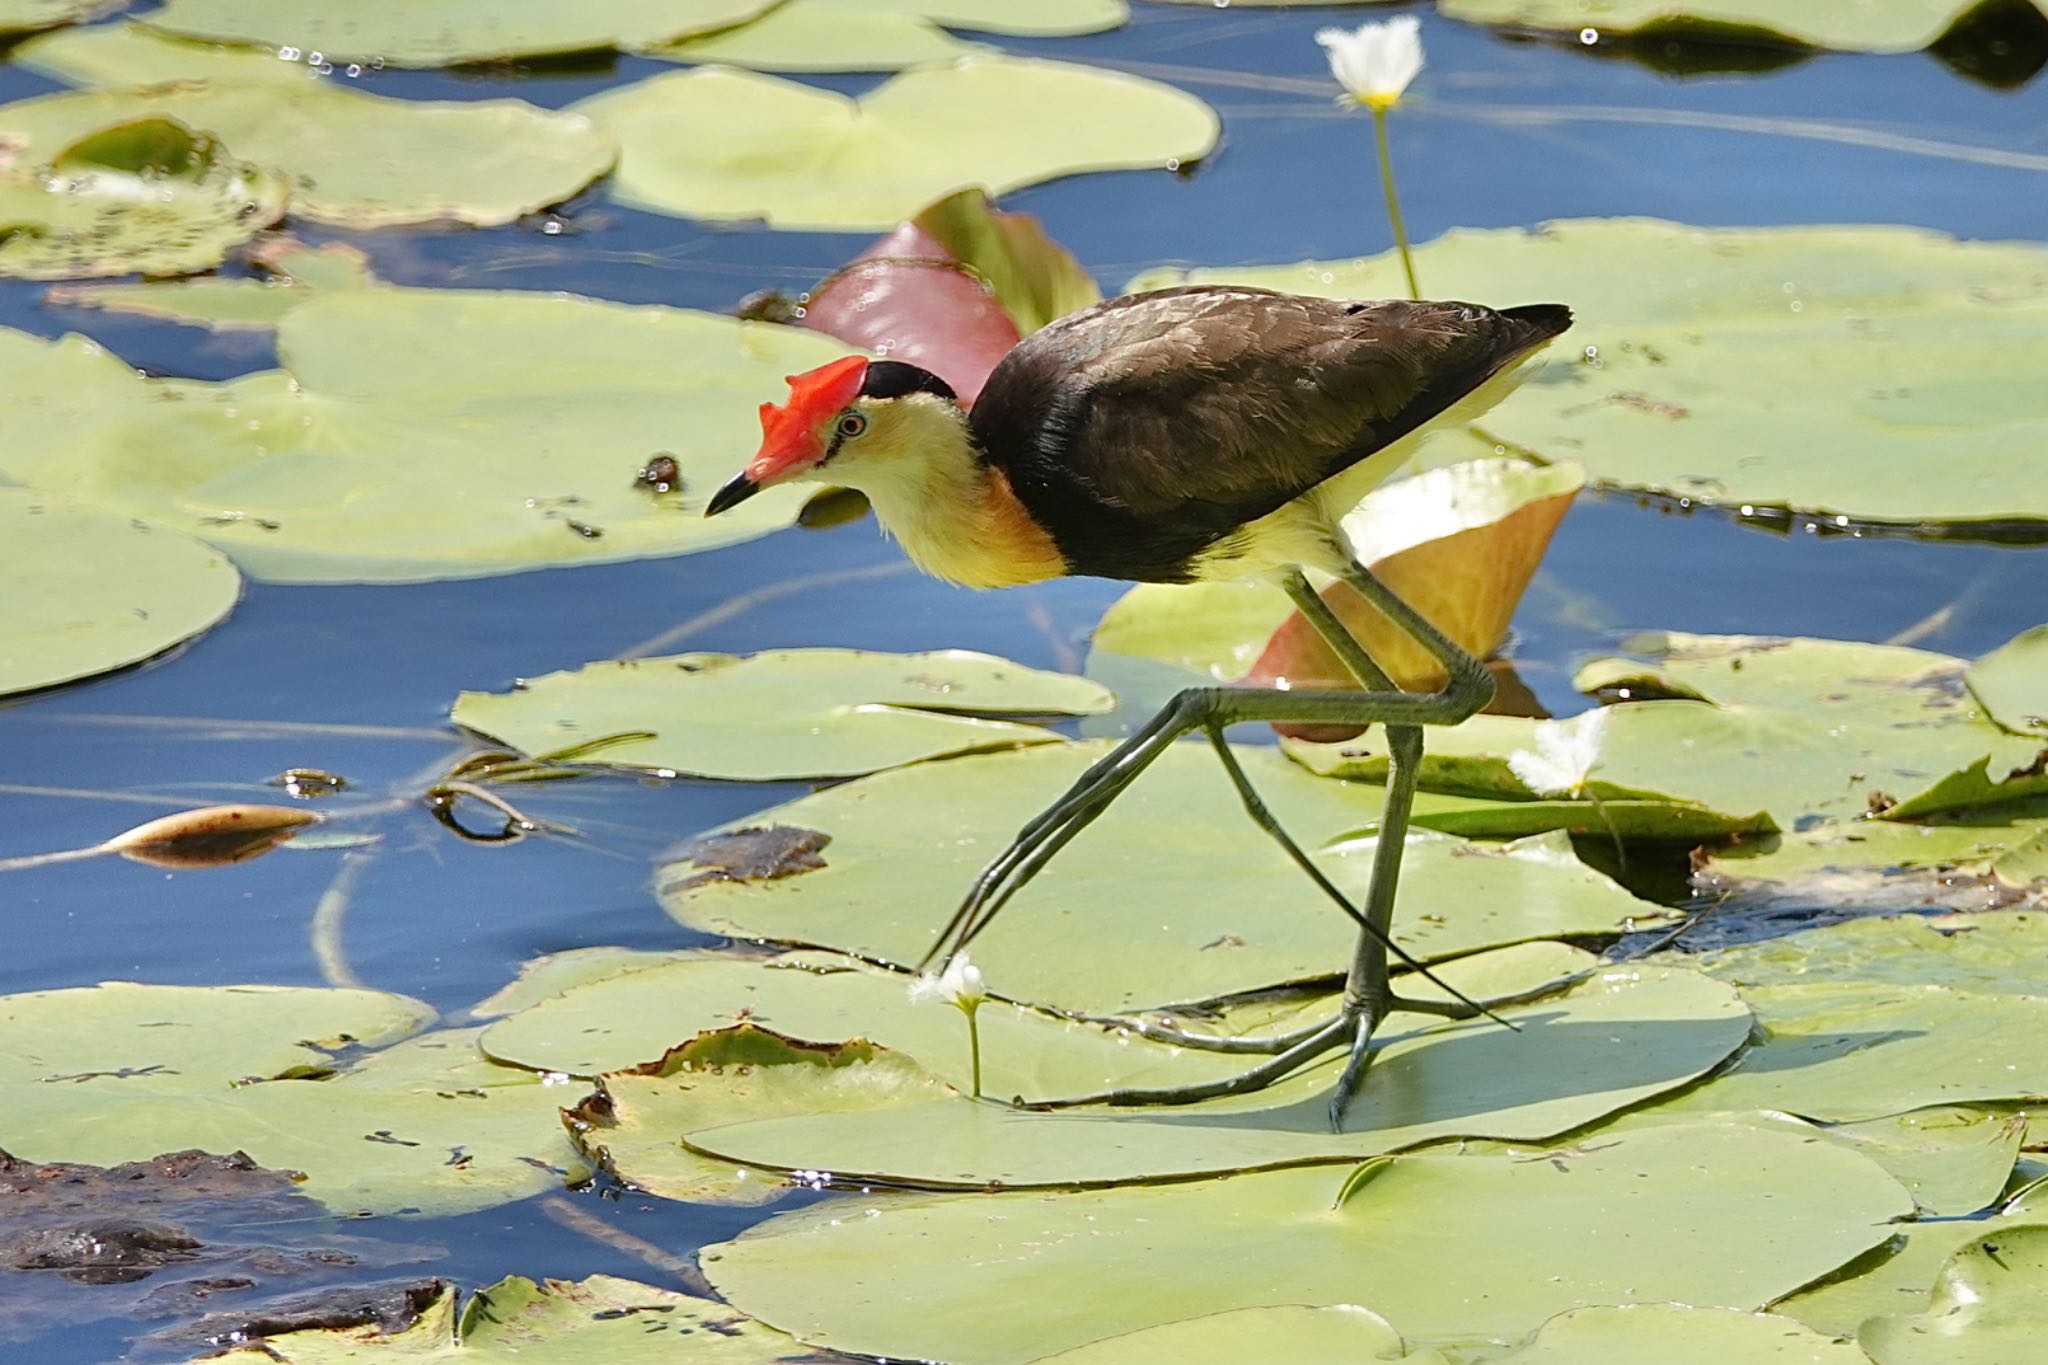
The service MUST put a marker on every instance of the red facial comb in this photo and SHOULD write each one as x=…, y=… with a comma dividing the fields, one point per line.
x=792, y=434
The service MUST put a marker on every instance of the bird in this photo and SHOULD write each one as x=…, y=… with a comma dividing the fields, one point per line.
x=1183, y=435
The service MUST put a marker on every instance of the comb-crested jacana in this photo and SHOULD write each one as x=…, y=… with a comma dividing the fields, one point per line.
x=1189, y=434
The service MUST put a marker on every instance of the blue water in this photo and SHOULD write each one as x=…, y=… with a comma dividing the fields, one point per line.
x=450, y=922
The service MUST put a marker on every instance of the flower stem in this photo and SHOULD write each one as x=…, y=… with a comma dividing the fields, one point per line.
x=974, y=1050
x=1379, y=137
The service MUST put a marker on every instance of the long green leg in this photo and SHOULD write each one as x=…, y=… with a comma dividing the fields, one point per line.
x=1368, y=996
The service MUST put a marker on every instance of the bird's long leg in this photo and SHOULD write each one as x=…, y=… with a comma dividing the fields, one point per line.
x=1368, y=996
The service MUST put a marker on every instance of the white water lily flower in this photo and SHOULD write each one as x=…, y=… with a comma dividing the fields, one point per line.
x=1375, y=62
x=959, y=985
x=1565, y=753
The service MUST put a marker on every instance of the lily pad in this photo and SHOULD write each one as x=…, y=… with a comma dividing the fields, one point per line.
x=295, y=273
x=1877, y=1017
x=1172, y=895
x=1715, y=1216
x=144, y=196
x=1980, y=862
x=26, y=16
x=802, y=158
x=399, y=33
x=1899, y=715
x=1674, y=1334
x=88, y=591
x=1989, y=1306
x=1871, y=26
x=783, y=713
x=867, y=35
x=1954, y=1160
x=629, y=1128
x=2011, y=682
x=552, y=1322
x=1606, y=1044
x=1802, y=734
x=430, y=1125
x=352, y=159
x=1898, y=1278
x=634, y=1020
x=552, y=973
x=1287, y=1332
x=126, y=1039
x=418, y=434
x=1748, y=367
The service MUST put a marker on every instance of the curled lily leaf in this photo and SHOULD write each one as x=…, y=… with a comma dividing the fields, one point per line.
x=211, y=836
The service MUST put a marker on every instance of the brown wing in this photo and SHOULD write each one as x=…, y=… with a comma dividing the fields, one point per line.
x=1148, y=426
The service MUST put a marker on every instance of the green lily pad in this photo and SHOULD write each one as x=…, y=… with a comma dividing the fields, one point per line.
x=1663, y=769
x=1989, y=1306
x=1606, y=1044
x=802, y=158
x=785, y=713
x=144, y=196
x=2011, y=682
x=1877, y=1017
x=89, y=592
x=1749, y=367
x=1896, y=716
x=26, y=16
x=295, y=273
x=399, y=33
x=418, y=434
x=352, y=159
x=1980, y=862
x=629, y=1128
x=1803, y=728
x=1661, y=820
x=1172, y=895
x=1673, y=1334
x=1714, y=1216
x=1288, y=1332
x=126, y=1039
x=1872, y=26
x=431, y=1126
x=1982, y=953
x=634, y=1020
x=553, y=1322
x=1897, y=1278
x=864, y=35
x=552, y=973
x=1953, y=1161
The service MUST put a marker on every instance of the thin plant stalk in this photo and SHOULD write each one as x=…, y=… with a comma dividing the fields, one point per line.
x=1379, y=137
x=974, y=1050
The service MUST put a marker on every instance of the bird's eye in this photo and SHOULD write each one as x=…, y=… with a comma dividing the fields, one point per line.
x=852, y=425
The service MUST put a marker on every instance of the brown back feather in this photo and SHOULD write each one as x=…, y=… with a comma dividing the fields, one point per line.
x=1142, y=429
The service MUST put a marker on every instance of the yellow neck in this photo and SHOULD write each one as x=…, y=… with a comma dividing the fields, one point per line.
x=955, y=516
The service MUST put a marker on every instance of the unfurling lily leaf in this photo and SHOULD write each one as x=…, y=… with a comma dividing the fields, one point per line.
x=211, y=836
x=951, y=289
x=1459, y=545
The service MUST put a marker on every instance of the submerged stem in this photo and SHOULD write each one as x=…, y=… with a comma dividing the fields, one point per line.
x=1379, y=137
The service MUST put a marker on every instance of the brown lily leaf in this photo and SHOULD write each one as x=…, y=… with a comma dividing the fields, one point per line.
x=1459, y=544
x=211, y=836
